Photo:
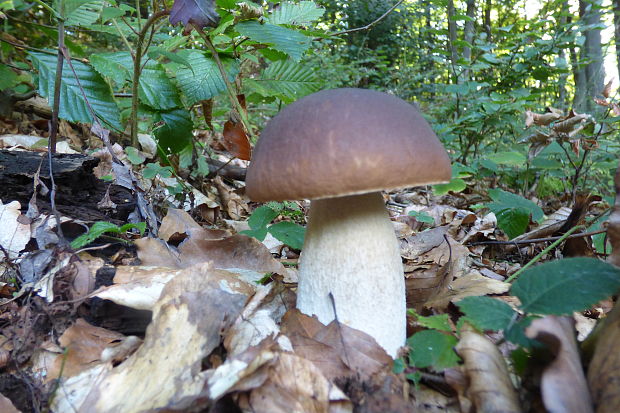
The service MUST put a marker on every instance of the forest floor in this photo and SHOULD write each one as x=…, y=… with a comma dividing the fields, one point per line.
x=198, y=317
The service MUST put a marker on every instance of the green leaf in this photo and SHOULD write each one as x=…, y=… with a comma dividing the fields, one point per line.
x=258, y=233
x=140, y=226
x=287, y=80
x=97, y=230
x=117, y=66
x=176, y=132
x=157, y=91
x=486, y=313
x=513, y=221
x=82, y=13
x=507, y=158
x=439, y=322
x=134, y=156
x=261, y=217
x=73, y=104
x=296, y=14
x=515, y=333
x=109, y=13
x=513, y=211
x=8, y=78
x=203, y=81
x=286, y=40
x=155, y=52
x=101, y=227
x=154, y=169
x=455, y=185
x=422, y=216
x=432, y=348
x=565, y=286
x=289, y=233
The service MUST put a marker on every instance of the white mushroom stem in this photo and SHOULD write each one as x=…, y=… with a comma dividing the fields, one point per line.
x=351, y=251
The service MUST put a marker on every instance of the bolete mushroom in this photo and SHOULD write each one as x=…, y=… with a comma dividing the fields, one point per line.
x=340, y=148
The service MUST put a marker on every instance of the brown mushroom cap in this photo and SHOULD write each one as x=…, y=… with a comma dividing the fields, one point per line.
x=343, y=142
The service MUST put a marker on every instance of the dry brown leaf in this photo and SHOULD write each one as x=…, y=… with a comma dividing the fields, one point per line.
x=604, y=369
x=238, y=251
x=565, y=371
x=232, y=203
x=83, y=344
x=6, y=406
x=336, y=349
x=14, y=235
x=430, y=272
x=154, y=252
x=187, y=322
x=613, y=229
x=472, y=284
x=489, y=387
x=295, y=384
x=177, y=222
x=260, y=319
x=540, y=119
x=607, y=89
x=140, y=287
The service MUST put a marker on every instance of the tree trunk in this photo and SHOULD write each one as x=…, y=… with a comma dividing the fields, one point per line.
x=468, y=34
x=487, y=18
x=592, y=51
x=616, y=4
x=452, y=40
x=561, y=100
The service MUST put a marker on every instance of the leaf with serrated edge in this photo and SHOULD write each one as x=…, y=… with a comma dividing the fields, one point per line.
x=72, y=103
x=486, y=313
x=204, y=80
x=565, y=286
x=285, y=40
x=297, y=14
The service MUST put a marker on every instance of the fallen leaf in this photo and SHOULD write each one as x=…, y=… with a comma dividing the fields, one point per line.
x=6, y=406
x=489, y=387
x=336, y=349
x=236, y=141
x=188, y=319
x=565, y=371
x=295, y=384
x=14, y=235
x=604, y=369
x=176, y=223
x=82, y=344
x=472, y=284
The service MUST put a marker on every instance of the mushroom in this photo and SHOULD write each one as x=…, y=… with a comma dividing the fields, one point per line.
x=340, y=148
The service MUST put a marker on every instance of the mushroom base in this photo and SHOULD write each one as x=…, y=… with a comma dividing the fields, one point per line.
x=351, y=251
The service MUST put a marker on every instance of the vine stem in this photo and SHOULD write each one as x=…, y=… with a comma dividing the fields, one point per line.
x=543, y=252
x=232, y=95
x=137, y=68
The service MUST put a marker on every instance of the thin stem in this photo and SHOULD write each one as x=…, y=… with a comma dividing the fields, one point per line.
x=136, y=72
x=57, y=86
x=537, y=240
x=50, y=9
x=369, y=25
x=543, y=252
x=123, y=37
x=232, y=95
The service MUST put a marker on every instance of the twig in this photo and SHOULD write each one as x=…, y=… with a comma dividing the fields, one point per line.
x=232, y=95
x=542, y=253
x=369, y=25
x=536, y=240
x=51, y=143
x=136, y=72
